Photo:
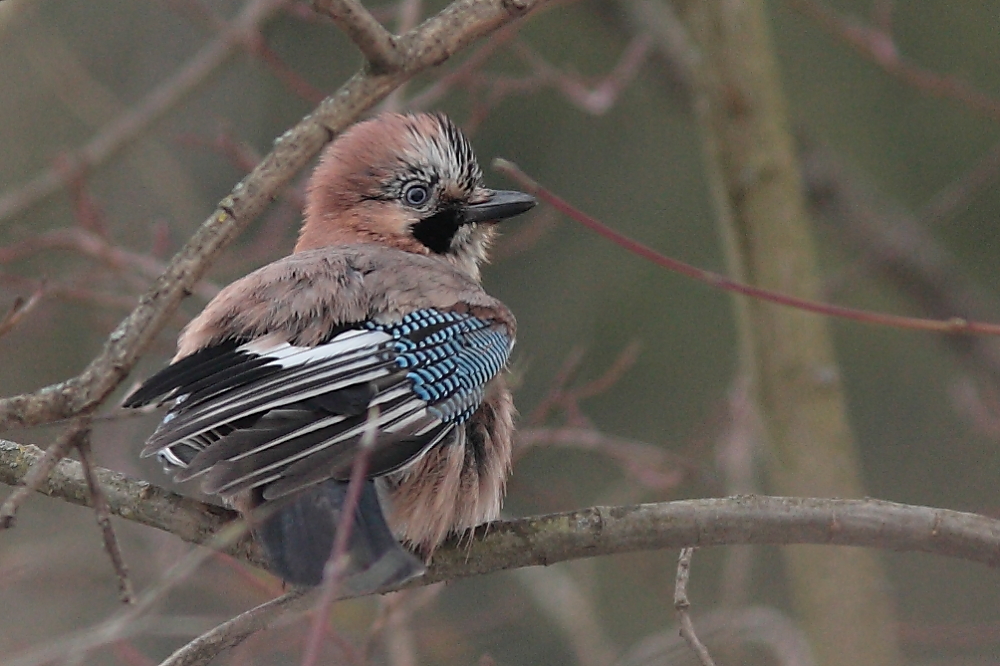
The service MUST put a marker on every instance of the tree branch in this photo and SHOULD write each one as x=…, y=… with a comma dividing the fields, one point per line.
x=376, y=43
x=137, y=501
x=431, y=43
x=532, y=541
x=41, y=467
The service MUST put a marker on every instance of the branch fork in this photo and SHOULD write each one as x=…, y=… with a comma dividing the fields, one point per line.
x=377, y=44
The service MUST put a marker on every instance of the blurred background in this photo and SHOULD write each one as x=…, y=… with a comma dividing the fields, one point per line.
x=625, y=374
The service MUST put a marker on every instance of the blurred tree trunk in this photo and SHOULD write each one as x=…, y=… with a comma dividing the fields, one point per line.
x=840, y=594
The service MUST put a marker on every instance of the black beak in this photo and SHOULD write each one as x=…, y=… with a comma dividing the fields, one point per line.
x=503, y=204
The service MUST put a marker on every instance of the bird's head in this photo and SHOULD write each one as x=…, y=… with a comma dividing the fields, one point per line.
x=408, y=181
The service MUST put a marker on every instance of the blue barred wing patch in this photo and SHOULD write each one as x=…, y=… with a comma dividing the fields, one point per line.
x=449, y=357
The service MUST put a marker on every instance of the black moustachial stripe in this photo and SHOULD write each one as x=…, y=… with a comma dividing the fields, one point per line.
x=437, y=231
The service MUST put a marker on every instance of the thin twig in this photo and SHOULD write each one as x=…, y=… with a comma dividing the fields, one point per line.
x=89, y=244
x=568, y=399
x=757, y=625
x=878, y=45
x=336, y=566
x=204, y=648
x=292, y=79
x=624, y=361
x=651, y=465
x=130, y=620
x=125, y=590
x=550, y=539
x=572, y=607
x=682, y=605
x=376, y=43
x=957, y=196
x=444, y=84
x=133, y=124
x=897, y=246
x=952, y=326
x=395, y=612
x=594, y=99
x=19, y=308
x=69, y=292
x=255, y=44
x=674, y=47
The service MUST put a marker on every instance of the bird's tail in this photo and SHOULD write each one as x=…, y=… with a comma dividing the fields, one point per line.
x=299, y=536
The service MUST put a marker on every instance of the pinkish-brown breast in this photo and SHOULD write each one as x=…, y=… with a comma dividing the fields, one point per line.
x=457, y=485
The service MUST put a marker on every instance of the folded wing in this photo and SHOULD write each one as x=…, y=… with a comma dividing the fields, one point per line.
x=279, y=417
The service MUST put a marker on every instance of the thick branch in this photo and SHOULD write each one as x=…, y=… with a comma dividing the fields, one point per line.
x=430, y=44
x=585, y=533
x=375, y=42
x=138, y=501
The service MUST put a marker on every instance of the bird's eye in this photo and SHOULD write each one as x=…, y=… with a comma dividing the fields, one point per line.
x=416, y=195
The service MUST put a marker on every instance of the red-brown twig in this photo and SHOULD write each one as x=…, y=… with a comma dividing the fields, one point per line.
x=597, y=98
x=395, y=612
x=555, y=395
x=240, y=155
x=957, y=195
x=94, y=246
x=955, y=325
x=878, y=45
x=133, y=124
x=896, y=246
x=568, y=399
x=255, y=44
x=594, y=98
x=86, y=211
x=69, y=292
x=444, y=84
x=130, y=620
x=292, y=79
x=19, y=309
x=626, y=359
x=653, y=466
x=339, y=558
x=682, y=605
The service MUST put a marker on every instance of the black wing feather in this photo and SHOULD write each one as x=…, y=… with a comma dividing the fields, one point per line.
x=202, y=363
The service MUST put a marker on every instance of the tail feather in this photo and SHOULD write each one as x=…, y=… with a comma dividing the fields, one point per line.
x=299, y=536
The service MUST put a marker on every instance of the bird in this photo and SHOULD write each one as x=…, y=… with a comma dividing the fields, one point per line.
x=374, y=334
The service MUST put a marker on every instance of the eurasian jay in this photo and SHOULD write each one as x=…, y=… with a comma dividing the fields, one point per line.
x=375, y=331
